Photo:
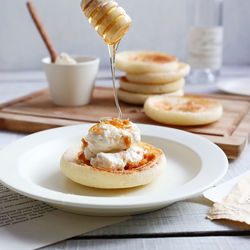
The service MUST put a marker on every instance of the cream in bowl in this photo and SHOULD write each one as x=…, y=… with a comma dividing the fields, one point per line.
x=64, y=59
x=71, y=78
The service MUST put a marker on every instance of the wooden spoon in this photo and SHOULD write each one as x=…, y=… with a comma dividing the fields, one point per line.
x=42, y=31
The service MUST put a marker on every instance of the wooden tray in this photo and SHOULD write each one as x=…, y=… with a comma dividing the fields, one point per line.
x=36, y=112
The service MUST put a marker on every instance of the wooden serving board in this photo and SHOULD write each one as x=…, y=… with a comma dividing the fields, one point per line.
x=36, y=112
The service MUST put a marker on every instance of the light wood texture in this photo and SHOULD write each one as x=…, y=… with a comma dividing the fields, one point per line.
x=182, y=218
x=36, y=112
x=23, y=123
x=171, y=243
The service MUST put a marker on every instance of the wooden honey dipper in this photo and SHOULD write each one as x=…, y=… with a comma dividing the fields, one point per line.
x=42, y=31
x=108, y=18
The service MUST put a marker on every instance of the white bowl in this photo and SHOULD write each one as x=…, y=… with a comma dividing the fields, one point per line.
x=71, y=85
x=193, y=165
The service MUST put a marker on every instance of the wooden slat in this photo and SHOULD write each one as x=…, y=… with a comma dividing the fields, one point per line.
x=233, y=146
x=182, y=218
x=23, y=98
x=170, y=243
x=23, y=123
x=102, y=105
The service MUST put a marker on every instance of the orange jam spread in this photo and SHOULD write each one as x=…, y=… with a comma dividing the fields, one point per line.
x=127, y=141
x=84, y=143
x=133, y=165
x=190, y=106
x=118, y=123
x=146, y=158
x=82, y=159
x=96, y=129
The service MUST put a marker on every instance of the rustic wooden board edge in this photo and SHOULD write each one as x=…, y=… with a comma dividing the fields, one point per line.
x=19, y=123
x=31, y=95
x=40, y=92
x=23, y=98
x=234, y=149
x=218, y=96
x=233, y=145
x=243, y=127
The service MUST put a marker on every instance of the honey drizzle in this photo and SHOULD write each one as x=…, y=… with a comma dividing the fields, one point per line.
x=111, y=47
x=112, y=50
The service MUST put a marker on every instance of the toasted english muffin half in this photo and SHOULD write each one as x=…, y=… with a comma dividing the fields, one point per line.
x=139, y=62
x=151, y=89
x=184, y=111
x=92, y=176
x=138, y=98
x=181, y=71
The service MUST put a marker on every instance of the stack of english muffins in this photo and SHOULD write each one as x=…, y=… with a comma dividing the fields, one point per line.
x=149, y=73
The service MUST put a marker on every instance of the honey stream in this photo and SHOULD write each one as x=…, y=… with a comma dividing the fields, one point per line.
x=112, y=50
x=108, y=13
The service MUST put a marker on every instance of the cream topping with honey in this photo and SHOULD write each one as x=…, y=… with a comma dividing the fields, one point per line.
x=111, y=144
x=118, y=161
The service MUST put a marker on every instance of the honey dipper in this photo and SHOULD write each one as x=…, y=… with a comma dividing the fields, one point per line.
x=108, y=18
x=42, y=31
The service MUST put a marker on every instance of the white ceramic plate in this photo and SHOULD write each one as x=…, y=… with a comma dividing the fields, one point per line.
x=238, y=86
x=30, y=166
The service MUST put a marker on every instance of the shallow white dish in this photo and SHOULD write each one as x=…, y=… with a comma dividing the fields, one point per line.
x=238, y=86
x=30, y=166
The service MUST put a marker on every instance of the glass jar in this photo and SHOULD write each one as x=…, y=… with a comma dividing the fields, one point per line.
x=205, y=40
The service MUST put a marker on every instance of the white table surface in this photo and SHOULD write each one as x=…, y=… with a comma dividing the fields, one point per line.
x=179, y=226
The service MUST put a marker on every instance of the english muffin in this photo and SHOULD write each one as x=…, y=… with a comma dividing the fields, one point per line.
x=112, y=156
x=75, y=168
x=182, y=111
x=140, y=62
x=181, y=71
x=138, y=98
x=149, y=88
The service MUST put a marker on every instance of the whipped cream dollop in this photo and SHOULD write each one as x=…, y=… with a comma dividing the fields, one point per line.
x=111, y=144
x=119, y=160
x=64, y=58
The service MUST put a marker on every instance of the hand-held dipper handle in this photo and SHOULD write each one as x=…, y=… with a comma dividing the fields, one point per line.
x=42, y=31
